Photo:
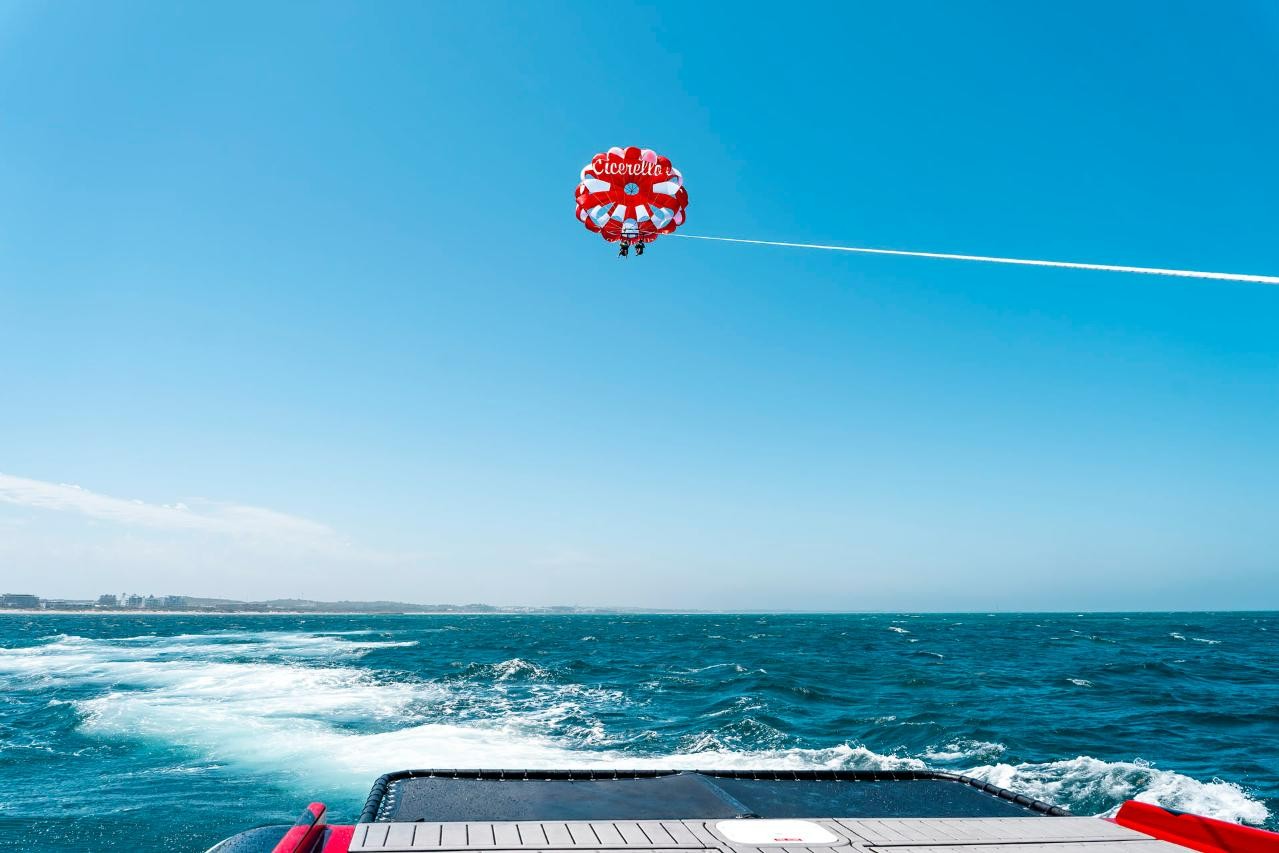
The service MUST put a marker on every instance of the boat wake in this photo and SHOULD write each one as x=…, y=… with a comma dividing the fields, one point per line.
x=297, y=708
x=1089, y=785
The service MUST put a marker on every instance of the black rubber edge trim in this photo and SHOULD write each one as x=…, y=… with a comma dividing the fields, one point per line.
x=373, y=805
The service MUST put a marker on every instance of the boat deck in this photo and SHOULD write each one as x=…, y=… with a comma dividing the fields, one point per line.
x=859, y=835
x=722, y=812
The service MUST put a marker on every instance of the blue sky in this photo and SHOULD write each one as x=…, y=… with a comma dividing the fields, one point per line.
x=312, y=273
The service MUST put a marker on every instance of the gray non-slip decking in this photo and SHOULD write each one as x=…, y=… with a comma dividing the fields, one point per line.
x=884, y=835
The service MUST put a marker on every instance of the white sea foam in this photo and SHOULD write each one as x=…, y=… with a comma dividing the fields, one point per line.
x=735, y=667
x=964, y=750
x=264, y=704
x=1080, y=682
x=1083, y=780
x=518, y=667
x=898, y=630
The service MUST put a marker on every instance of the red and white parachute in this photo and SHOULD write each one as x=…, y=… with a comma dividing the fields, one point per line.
x=634, y=195
x=631, y=194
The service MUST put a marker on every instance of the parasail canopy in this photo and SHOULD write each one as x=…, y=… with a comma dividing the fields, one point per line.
x=631, y=194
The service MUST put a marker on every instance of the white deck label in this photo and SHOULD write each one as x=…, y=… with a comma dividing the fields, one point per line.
x=781, y=833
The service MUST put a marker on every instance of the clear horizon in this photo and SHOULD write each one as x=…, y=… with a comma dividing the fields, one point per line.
x=301, y=310
x=604, y=610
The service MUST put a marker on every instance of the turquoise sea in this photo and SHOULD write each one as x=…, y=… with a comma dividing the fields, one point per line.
x=170, y=732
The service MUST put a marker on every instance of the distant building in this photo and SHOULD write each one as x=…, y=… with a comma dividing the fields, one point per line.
x=19, y=601
x=108, y=601
x=67, y=604
x=134, y=601
x=175, y=602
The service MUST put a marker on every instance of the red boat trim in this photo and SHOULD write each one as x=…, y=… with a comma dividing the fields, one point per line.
x=337, y=839
x=1204, y=834
x=304, y=833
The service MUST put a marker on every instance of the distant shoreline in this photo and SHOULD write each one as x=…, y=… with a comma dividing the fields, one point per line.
x=52, y=612
x=604, y=612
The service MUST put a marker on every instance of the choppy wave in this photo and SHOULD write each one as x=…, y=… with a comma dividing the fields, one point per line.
x=964, y=751
x=301, y=708
x=1090, y=785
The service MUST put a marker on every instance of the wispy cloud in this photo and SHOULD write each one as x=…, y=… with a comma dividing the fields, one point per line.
x=64, y=540
x=225, y=519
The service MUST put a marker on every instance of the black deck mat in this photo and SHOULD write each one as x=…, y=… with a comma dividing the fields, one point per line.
x=876, y=798
x=444, y=795
x=658, y=798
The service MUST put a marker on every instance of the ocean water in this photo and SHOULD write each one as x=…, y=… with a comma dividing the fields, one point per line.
x=170, y=732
